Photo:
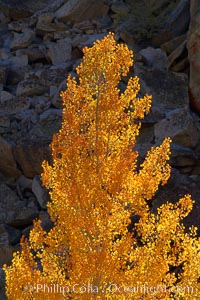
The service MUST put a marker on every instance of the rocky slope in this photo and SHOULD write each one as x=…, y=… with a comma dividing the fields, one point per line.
x=41, y=43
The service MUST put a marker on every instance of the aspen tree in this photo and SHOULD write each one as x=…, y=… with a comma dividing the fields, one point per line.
x=94, y=250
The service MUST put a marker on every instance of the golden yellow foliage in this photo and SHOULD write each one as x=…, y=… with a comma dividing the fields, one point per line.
x=94, y=251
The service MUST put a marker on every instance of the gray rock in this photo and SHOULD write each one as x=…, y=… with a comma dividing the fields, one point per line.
x=24, y=216
x=177, y=23
x=155, y=58
x=49, y=123
x=20, y=25
x=14, y=105
x=31, y=152
x=24, y=183
x=4, y=238
x=196, y=170
x=38, y=6
x=178, y=20
x=17, y=74
x=157, y=5
x=52, y=91
x=2, y=285
x=10, y=204
x=50, y=6
x=182, y=156
x=180, y=126
x=16, y=10
x=193, y=46
x=57, y=100
x=194, y=6
x=5, y=54
x=4, y=123
x=119, y=7
x=4, y=19
x=84, y=26
x=26, y=231
x=88, y=40
x=34, y=53
x=79, y=38
x=47, y=224
x=5, y=96
x=33, y=149
x=46, y=25
x=45, y=18
x=59, y=35
x=3, y=74
x=8, y=164
x=146, y=135
x=40, y=192
x=182, y=65
x=19, y=61
x=77, y=11
x=39, y=105
x=22, y=40
x=144, y=142
x=51, y=115
x=31, y=87
x=9, y=235
x=172, y=58
x=173, y=44
x=103, y=22
x=6, y=254
x=156, y=114
x=128, y=38
x=54, y=75
x=169, y=90
x=27, y=116
x=60, y=51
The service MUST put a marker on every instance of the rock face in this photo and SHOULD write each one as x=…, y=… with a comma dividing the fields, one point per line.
x=77, y=11
x=8, y=164
x=14, y=210
x=2, y=285
x=155, y=58
x=30, y=87
x=29, y=156
x=41, y=43
x=180, y=126
x=194, y=55
x=169, y=90
x=178, y=20
x=60, y=51
x=40, y=192
x=12, y=105
x=3, y=74
x=22, y=40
